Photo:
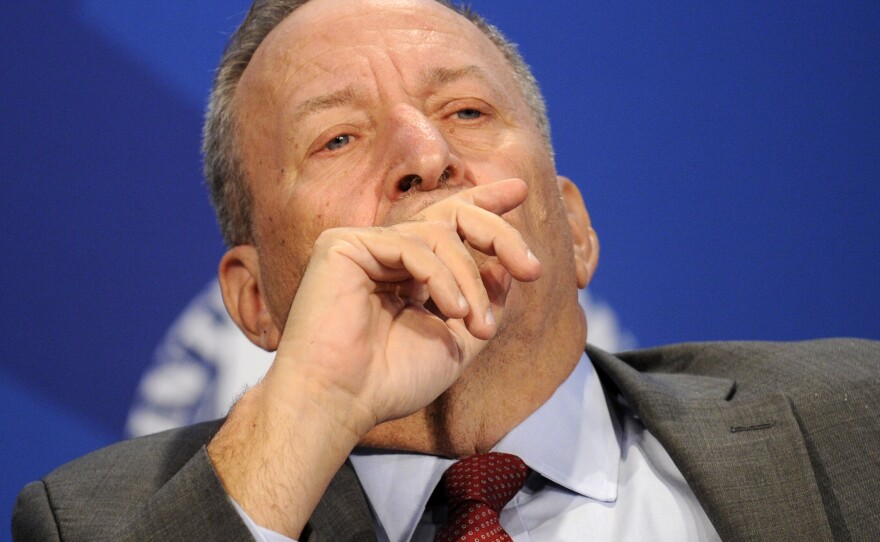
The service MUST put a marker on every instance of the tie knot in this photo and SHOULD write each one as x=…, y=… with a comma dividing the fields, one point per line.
x=492, y=478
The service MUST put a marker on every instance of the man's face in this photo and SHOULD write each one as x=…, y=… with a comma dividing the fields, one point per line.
x=345, y=101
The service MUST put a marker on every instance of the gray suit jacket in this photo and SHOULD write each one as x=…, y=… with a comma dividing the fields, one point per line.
x=778, y=442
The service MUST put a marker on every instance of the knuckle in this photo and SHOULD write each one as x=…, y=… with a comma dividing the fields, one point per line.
x=328, y=238
x=337, y=240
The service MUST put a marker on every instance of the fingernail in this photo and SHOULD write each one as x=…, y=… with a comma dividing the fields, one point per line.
x=462, y=302
x=490, y=317
x=531, y=256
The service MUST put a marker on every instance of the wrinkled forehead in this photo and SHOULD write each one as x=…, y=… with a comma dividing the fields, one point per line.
x=335, y=29
x=323, y=19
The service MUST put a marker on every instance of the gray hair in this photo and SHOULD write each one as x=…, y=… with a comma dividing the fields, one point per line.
x=224, y=171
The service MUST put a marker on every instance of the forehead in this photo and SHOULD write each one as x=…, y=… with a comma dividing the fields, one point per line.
x=324, y=39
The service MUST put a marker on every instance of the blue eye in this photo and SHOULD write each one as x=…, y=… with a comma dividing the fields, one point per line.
x=469, y=114
x=338, y=142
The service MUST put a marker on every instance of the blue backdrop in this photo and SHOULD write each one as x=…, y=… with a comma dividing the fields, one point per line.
x=729, y=154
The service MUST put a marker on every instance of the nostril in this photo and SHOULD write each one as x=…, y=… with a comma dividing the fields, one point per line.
x=406, y=183
x=447, y=173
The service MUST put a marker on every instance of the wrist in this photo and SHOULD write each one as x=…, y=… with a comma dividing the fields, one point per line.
x=341, y=414
x=279, y=449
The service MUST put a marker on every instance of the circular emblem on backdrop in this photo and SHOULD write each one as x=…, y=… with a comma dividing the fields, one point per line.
x=203, y=363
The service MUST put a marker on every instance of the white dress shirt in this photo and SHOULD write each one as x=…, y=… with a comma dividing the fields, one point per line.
x=598, y=475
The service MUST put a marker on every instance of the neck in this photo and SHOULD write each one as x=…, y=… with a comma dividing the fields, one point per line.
x=512, y=377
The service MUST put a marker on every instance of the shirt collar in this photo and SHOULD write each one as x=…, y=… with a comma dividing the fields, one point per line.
x=570, y=440
x=398, y=486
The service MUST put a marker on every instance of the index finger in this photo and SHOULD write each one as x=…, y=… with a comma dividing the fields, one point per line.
x=497, y=197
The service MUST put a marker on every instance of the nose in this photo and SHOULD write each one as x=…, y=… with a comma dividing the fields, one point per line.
x=419, y=156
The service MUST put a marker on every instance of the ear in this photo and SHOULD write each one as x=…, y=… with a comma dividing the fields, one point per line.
x=239, y=275
x=583, y=236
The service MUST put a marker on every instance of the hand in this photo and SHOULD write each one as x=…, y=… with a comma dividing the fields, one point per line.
x=361, y=347
x=359, y=325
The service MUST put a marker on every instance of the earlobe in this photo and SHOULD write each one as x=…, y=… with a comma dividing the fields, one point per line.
x=239, y=275
x=584, y=239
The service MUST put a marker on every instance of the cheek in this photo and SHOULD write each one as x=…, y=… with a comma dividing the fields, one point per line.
x=516, y=155
x=541, y=215
x=346, y=191
x=286, y=240
x=340, y=204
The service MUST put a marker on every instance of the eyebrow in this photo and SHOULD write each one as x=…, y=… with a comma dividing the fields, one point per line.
x=339, y=98
x=440, y=76
x=352, y=94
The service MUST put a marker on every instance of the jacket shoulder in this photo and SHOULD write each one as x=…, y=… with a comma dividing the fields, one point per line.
x=158, y=487
x=764, y=366
x=153, y=458
x=800, y=413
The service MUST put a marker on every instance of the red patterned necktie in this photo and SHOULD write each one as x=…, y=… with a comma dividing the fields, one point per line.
x=477, y=488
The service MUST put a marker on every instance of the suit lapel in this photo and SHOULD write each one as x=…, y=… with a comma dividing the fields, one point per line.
x=744, y=457
x=342, y=515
